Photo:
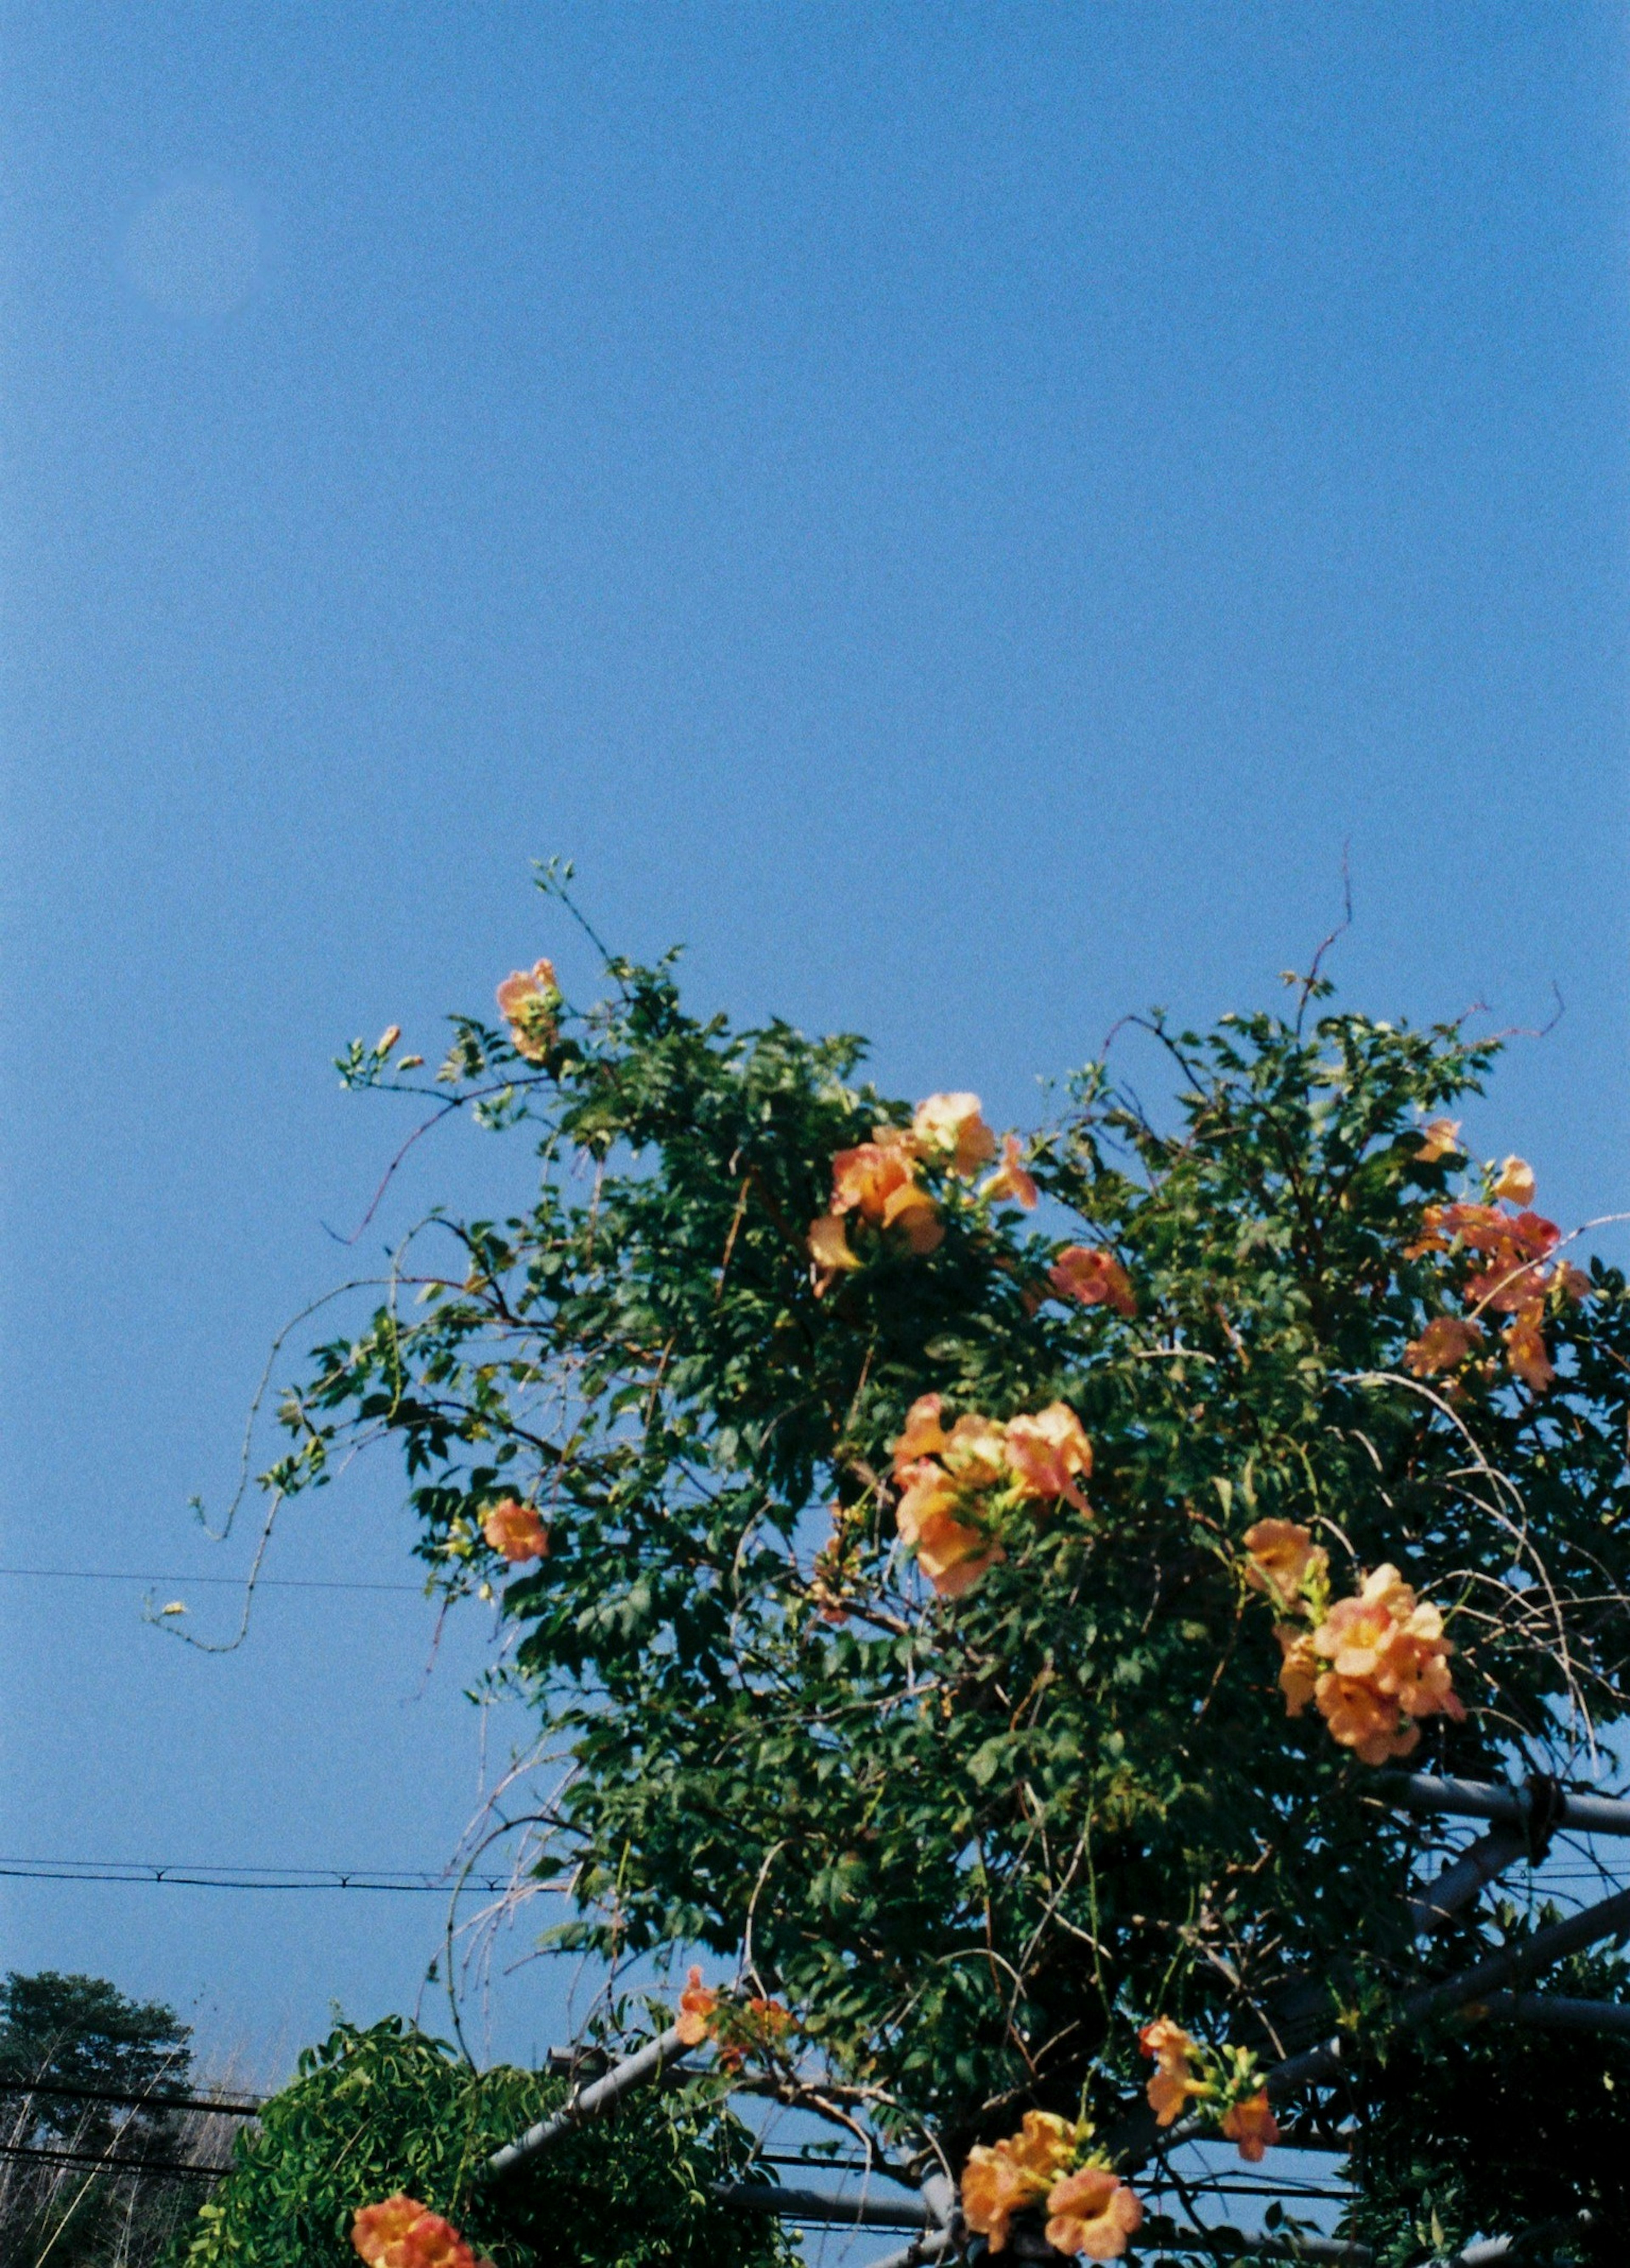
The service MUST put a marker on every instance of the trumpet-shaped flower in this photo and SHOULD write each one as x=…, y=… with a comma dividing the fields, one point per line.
x=1515, y=1184
x=1092, y=2213
x=878, y=1180
x=1010, y=1183
x=1280, y=1556
x=1299, y=1667
x=378, y=2227
x=829, y=1250
x=528, y=1000
x=950, y=1129
x=924, y=1435
x=951, y=1551
x=1174, y=2083
x=515, y=1532
x=1526, y=1354
x=401, y=2232
x=1369, y=1723
x=698, y=2010
x=1440, y=1138
x=1252, y=2125
x=1094, y=1278
x=1446, y=1342
x=1002, y=2178
x=1045, y=1453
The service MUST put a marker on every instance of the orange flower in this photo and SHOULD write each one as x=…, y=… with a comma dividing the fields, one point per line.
x=1361, y=1719
x=1092, y=2212
x=1517, y=1181
x=828, y=1249
x=1280, y=1557
x=924, y=1435
x=951, y=1131
x=527, y=1000
x=864, y=1178
x=1388, y=1668
x=432, y=2242
x=1045, y=1452
x=1440, y=1138
x=1299, y=1667
x=515, y=1532
x=951, y=1553
x=1094, y=1276
x=1174, y=2083
x=376, y=2227
x=698, y=2010
x=915, y=1214
x=1010, y=1183
x=1525, y=1349
x=401, y=2232
x=1002, y=2178
x=1444, y=1344
x=1252, y=2125
x=976, y=1452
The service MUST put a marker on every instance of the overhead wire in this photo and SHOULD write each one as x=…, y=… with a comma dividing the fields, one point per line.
x=227, y=1582
x=201, y=1875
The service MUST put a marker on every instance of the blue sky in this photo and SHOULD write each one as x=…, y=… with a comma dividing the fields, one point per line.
x=959, y=514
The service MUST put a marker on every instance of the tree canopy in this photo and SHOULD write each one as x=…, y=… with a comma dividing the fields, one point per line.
x=977, y=1590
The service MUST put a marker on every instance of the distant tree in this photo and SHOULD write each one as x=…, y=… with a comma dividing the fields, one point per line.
x=82, y=2034
x=69, y=2195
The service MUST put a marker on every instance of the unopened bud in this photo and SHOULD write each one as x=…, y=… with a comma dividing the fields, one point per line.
x=388, y=1039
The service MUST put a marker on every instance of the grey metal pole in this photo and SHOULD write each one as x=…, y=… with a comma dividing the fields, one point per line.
x=1476, y=1799
x=1555, y=2012
x=644, y=2063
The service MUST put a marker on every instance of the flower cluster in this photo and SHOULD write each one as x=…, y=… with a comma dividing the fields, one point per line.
x=401, y=2232
x=738, y=2029
x=879, y=1182
x=1094, y=1276
x=1374, y=1665
x=1226, y=2083
x=1089, y=2209
x=958, y=1487
x=529, y=1002
x=515, y=1532
x=1513, y=1275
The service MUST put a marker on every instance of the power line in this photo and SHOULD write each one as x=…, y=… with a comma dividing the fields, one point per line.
x=202, y=1876
x=228, y=1582
x=124, y=2165
x=242, y=2107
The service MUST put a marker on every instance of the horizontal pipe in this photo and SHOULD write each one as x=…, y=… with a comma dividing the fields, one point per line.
x=824, y=2205
x=1555, y=2012
x=644, y=2063
x=1159, y=2232
x=1477, y=1799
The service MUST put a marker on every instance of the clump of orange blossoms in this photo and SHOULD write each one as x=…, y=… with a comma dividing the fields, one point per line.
x=737, y=2028
x=1090, y=2210
x=1094, y=1276
x=878, y=1182
x=401, y=2232
x=515, y=1532
x=1374, y=1665
x=1226, y=2081
x=529, y=1001
x=1513, y=1276
x=958, y=1487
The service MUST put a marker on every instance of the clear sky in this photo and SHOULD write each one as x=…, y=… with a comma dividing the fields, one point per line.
x=957, y=513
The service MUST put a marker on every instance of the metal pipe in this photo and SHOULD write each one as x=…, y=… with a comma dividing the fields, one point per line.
x=825, y=2205
x=644, y=2063
x=1465, y=1877
x=1476, y=1799
x=1555, y=2012
x=1137, y=2138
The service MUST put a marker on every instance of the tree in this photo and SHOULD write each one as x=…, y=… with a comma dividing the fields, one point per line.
x=84, y=2071
x=986, y=1622
x=386, y=2109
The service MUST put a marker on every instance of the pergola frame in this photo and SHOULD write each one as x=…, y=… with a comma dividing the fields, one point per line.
x=1522, y=1820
